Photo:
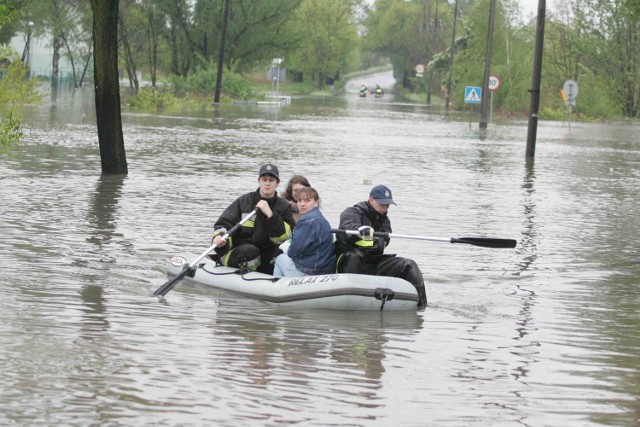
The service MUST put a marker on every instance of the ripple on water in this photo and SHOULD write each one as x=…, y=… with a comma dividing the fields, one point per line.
x=539, y=335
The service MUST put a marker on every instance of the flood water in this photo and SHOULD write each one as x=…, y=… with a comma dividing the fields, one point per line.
x=545, y=334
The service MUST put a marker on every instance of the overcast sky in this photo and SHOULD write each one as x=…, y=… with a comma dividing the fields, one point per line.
x=530, y=7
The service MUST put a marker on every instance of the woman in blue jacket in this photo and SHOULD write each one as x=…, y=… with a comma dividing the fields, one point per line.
x=310, y=250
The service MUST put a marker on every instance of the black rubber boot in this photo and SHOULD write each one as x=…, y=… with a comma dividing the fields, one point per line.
x=422, y=296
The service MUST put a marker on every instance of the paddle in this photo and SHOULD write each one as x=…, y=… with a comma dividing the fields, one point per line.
x=476, y=241
x=188, y=269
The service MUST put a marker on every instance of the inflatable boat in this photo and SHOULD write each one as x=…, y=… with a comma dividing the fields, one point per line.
x=330, y=291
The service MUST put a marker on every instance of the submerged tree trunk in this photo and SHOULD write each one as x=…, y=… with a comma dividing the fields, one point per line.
x=105, y=60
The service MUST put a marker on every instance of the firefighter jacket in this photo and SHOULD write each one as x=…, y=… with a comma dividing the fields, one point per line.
x=260, y=231
x=356, y=216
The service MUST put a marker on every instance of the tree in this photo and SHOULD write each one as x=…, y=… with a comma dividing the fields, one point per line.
x=257, y=31
x=179, y=35
x=105, y=69
x=409, y=33
x=8, y=11
x=15, y=90
x=328, y=36
x=610, y=31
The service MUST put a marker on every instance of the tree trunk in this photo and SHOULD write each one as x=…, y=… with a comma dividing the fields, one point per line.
x=105, y=60
x=86, y=65
x=73, y=65
x=152, y=37
x=129, y=60
x=223, y=38
x=55, y=65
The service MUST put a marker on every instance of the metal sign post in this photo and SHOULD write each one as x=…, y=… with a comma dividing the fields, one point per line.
x=472, y=95
x=570, y=90
x=494, y=85
x=276, y=63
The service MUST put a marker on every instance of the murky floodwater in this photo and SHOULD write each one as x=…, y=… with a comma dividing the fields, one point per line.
x=543, y=335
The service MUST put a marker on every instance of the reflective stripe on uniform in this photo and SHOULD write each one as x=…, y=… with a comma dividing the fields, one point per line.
x=252, y=264
x=283, y=237
x=365, y=243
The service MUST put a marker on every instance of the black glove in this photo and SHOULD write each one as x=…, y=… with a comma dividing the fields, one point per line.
x=365, y=232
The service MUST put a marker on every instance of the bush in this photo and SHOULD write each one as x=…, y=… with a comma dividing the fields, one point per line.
x=10, y=129
x=151, y=98
x=558, y=114
x=234, y=86
x=15, y=89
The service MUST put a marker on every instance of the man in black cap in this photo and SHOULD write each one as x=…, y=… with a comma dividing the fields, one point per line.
x=255, y=245
x=364, y=253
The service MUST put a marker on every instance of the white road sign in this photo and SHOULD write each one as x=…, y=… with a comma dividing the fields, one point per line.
x=570, y=90
x=494, y=82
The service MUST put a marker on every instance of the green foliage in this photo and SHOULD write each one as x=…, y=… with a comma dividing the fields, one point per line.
x=10, y=129
x=609, y=32
x=8, y=11
x=257, y=31
x=234, y=86
x=410, y=33
x=597, y=97
x=15, y=90
x=551, y=113
x=327, y=38
x=150, y=98
x=193, y=91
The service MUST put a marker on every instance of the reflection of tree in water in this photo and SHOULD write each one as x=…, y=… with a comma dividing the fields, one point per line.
x=101, y=219
x=103, y=207
x=524, y=350
x=93, y=321
x=529, y=240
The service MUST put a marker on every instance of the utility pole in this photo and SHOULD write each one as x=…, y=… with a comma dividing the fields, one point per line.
x=223, y=38
x=453, y=50
x=487, y=68
x=433, y=47
x=535, y=82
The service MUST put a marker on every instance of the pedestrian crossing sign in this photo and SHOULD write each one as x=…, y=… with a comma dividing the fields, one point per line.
x=472, y=94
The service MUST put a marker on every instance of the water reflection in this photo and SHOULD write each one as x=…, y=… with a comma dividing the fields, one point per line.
x=528, y=243
x=292, y=350
x=94, y=321
x=102, y=208
x=544, y=334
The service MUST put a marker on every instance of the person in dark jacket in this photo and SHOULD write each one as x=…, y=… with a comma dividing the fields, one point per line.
x=256, y=244
x=311, y=248
x=364, y=253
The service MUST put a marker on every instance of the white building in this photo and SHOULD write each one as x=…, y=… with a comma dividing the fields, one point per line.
x=40, y=57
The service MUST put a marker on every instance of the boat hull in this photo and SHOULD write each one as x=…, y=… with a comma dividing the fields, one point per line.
x=329, y=291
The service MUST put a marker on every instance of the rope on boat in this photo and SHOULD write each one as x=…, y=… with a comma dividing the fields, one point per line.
x=241, y=272
x=383, y=294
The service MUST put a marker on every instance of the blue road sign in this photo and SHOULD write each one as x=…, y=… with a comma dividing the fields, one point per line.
x=472, y=94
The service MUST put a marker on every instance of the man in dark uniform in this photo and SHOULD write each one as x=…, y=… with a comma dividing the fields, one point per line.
x=364, y=253
x=255, y=245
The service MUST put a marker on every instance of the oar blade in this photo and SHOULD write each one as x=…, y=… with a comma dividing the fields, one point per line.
x=164, y=289
x=485, y=242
